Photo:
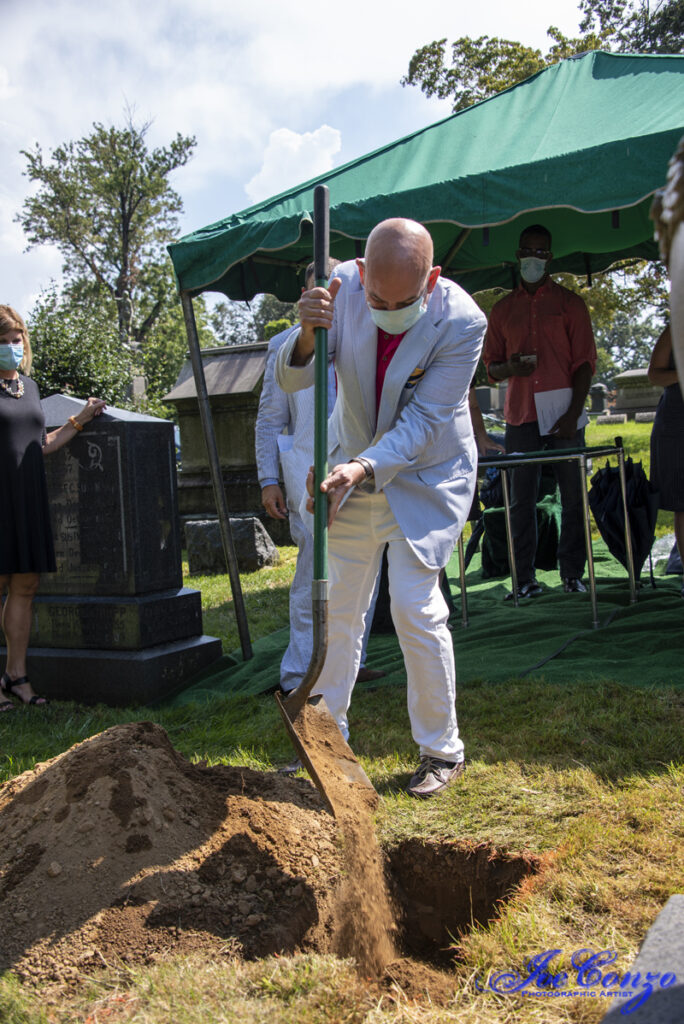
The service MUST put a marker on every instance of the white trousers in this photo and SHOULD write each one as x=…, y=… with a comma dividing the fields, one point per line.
x=361, y=529
x=296, y=659
x=298, y=654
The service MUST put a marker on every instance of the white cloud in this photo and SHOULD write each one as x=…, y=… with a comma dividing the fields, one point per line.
x=25, y=274
x=290, y=158
x=7, y=90
x=231, y=73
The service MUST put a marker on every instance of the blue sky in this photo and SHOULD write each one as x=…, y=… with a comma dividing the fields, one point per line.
x=274, y=92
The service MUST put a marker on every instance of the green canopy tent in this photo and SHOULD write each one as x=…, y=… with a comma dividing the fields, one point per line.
x=581, y=146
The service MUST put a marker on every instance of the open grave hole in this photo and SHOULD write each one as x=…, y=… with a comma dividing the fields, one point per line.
x=120, y=851
x=441, y=889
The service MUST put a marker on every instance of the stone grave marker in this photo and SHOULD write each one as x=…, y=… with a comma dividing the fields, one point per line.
x=115, y=623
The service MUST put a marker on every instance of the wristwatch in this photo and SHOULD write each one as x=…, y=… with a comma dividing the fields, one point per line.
x=367, y=467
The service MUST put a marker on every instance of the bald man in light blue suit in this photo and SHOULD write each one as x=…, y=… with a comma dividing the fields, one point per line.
x=405, y=344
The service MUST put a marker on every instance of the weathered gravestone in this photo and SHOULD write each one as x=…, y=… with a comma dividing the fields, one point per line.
x=234, y=375
x=114, y=623
x=253, y=547
x=635, y=393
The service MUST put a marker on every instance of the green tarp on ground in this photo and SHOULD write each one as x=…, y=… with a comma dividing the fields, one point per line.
x=581, y=146
x=550, y=637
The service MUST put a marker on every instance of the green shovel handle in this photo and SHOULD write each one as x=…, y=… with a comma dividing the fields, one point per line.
x=321, y=228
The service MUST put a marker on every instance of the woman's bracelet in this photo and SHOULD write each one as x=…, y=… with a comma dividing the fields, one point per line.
x=75, y=424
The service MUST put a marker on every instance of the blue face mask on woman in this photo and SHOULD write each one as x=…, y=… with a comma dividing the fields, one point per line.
x=11, y=356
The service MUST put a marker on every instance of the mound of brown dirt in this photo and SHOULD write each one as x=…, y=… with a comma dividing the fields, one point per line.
x=121, y=850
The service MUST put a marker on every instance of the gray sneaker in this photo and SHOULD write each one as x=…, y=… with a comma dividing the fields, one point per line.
x=433, y=775
x=292, y=768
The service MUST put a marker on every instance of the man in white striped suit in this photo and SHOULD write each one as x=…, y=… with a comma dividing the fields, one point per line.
x=405, y=343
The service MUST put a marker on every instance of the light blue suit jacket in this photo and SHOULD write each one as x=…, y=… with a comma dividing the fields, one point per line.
x=421, y=447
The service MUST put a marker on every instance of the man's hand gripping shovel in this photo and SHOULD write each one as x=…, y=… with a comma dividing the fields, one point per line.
x=323, y=750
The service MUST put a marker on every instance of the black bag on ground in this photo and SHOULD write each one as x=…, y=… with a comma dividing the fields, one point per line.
x=605, y=501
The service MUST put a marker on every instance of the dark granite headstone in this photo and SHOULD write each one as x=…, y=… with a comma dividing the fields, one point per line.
x=114, y=623
x=113, y=504
x=598, y=393
x=253, y=547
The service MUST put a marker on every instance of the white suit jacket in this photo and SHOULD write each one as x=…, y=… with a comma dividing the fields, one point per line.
x=421, y=447
x=294, y=414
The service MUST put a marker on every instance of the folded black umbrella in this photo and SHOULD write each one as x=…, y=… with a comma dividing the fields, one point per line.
x=605, y=500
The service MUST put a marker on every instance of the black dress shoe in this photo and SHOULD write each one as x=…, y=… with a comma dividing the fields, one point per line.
x=573, y=586
x=531, y=588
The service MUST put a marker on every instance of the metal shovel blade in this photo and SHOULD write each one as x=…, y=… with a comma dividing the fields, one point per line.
x=327, y=757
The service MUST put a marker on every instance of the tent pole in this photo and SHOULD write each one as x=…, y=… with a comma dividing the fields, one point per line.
x=462, y=579
x=460, y=239
x=582, y=465
x=216, y=476
x=628, y=529
x=509, y=536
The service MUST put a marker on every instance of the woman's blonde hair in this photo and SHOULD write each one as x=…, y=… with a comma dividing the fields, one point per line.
x=11, y=321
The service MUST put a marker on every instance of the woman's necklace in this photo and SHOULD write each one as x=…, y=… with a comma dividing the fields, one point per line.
x=6, y=385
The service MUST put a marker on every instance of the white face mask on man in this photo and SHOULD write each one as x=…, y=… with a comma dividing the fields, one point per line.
x=397, y=321
x=532, y=269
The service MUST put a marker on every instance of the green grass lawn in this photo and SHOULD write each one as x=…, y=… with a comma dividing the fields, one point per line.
x=586, y=776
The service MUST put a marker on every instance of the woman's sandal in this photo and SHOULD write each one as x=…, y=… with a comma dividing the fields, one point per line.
x=5, y=705
x=8, y=685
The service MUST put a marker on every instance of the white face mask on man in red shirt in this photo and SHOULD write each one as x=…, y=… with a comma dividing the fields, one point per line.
x=532, y=269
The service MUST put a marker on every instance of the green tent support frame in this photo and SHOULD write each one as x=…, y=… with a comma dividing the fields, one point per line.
x=581, y=146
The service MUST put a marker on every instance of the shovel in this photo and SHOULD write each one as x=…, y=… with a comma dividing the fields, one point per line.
x=316, y=737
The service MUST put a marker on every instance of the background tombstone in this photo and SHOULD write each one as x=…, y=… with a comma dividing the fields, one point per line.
x=114, y=623
x=253, y=547
x=635, y=393
x=234, y=376
x=598, y=393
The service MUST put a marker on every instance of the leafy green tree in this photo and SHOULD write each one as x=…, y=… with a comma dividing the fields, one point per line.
x=628, y=310
x=275, y=327
x=233, y=323
x=165, y=351
x=270, y=308
x=238, y=323
x=628, y=307
x=484, y=66
x=105, y=201
x=481, y=67
x=637, y=27
x=76, y=348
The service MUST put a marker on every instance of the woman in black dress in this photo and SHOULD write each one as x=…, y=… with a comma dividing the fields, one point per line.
x=26, y=547
x=667, y=436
